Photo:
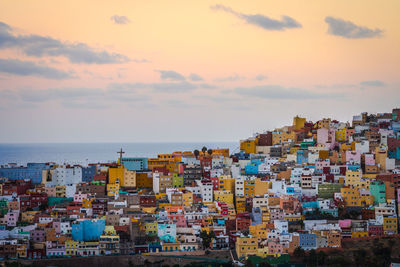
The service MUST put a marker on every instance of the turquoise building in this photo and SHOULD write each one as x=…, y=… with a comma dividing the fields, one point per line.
x=377, y=189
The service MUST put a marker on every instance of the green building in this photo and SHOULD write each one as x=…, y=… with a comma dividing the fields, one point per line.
x=377, y=189
x=177, y=181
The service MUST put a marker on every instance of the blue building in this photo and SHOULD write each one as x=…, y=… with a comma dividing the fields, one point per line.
x=308, y=241
x=242, y=155
x=135, y=164
x=33, y=172
x=88, y=230
x=251, y=169
x=301, y=157
x=88, y=173
x=353, y=167
x=155, y=247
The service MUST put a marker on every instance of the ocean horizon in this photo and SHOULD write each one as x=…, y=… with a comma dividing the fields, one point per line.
x=85, y=153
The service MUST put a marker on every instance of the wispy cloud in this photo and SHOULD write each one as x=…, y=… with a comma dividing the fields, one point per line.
x=280, y=92
x=375, y=83
x=173, y=87
x=261, y=77
x=349, y=30
x=121, y=20
x=262, y=21
x=232, y=78
x=39, y=46
x=143, y=60
x=29, y=68
x=195, y=77
x=171, y=75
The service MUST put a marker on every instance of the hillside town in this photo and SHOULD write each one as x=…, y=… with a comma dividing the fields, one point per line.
x=303, y=187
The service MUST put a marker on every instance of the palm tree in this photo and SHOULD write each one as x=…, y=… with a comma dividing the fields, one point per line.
x=196, y=153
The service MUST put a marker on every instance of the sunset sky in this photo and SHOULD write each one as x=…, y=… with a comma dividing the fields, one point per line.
x=161, y=71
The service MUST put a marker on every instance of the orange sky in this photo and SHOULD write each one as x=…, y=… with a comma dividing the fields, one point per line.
x=326, y=71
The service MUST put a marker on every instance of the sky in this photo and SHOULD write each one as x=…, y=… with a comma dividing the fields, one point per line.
x=183, y=71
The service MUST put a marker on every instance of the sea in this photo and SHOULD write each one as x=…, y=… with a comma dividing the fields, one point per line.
x=85, y=153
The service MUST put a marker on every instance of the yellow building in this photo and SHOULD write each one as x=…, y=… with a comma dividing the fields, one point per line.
x=223, y=196
x=249, y=145
x=324, y=123
x=261, y=187
x=71, y=247
x=259, y=231
x=220, y=152
x=389, y=225
x=116, y=175
x=293, y=217
x=353, y=198
x=280, y=137
x=341, y=135
x=152, y=163
x=21, y=250
x=171, y=246
x=353, y=178
x=226, y=183
x=359, y=234
x=293, y=150
x=187, y=198
x=345, y=147
x=249, y=188
x=61, y=191
x=263, y=252
x=298, y=122
x=129, y=178
x=173, y=167
x=150, y=228
x=266, y=216
x=169, y=157
x=28, y=216
x=240, y=204
x=87, y=203
x=112, y=190
x=246, y=246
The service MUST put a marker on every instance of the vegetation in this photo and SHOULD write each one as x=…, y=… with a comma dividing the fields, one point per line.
x=207, y=238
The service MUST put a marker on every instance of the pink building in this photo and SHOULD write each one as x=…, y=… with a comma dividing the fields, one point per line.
x=320, y=164
x=369, y=159
x=78, y=197
x=322, y=136
x=12, y=218
x=275, y=247
x=353, y=156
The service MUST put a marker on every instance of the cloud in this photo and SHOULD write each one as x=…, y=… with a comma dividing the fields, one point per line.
x=207, y=86
x=163, y=87
x=39, y=46
x=173, y=87
x=195, y=77
x=232, y=78
x=171, y=75
x=279, y=92
x=375, y=83
x=29, y=68
x=143, y=60
x=31, y=95
x=261, y=77
x=262, y=21
x=349, y=30
x=121, y=20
